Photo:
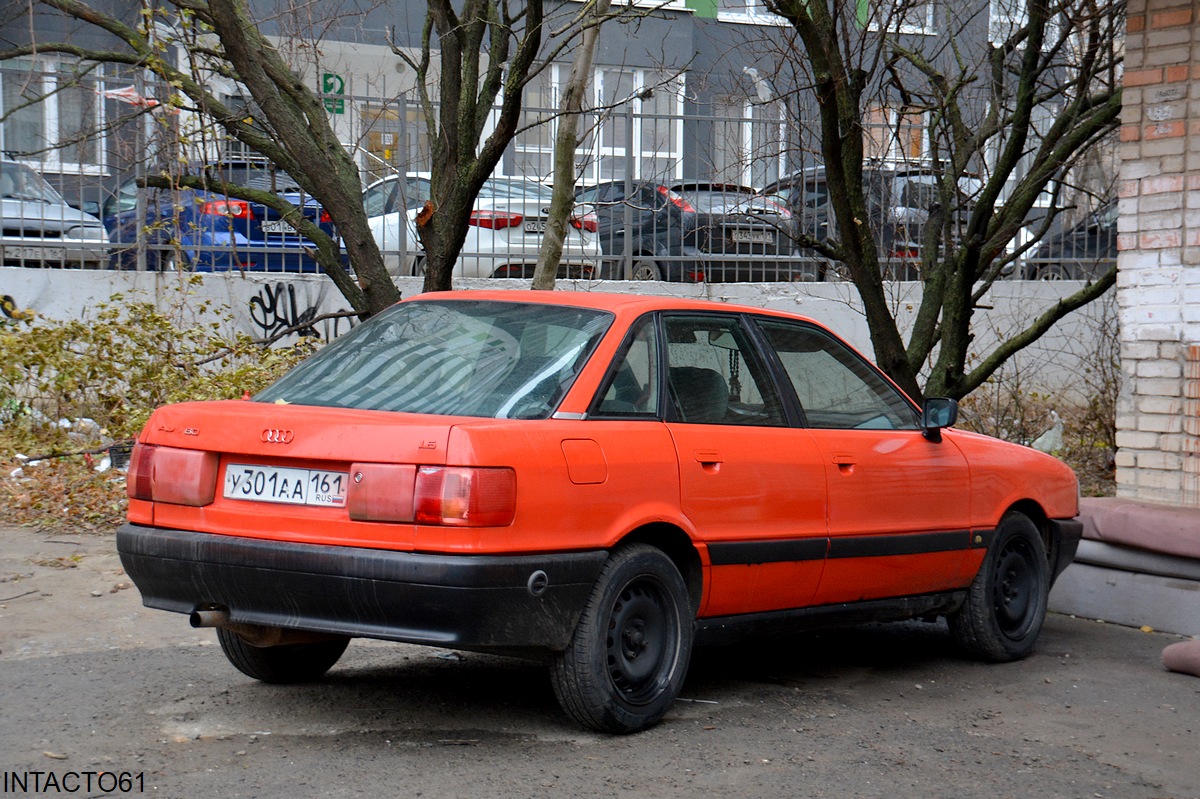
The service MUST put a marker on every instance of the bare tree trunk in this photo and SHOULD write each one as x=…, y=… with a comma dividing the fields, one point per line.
x=562, y=200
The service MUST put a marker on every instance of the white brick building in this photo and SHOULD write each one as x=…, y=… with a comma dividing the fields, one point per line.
x=1158, y=282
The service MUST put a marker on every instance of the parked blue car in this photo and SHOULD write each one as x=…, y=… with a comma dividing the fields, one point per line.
x=206, y=231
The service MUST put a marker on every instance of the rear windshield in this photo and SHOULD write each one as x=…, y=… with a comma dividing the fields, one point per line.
x=708, y=201
x=459, y=358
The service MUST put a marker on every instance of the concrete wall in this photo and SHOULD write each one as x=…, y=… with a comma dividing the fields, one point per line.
x=264, y=305
x=1158, y=282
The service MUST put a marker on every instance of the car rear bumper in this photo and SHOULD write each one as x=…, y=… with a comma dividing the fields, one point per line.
x=463, y=601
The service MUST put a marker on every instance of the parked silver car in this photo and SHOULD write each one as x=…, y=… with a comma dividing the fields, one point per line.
x=40, y=229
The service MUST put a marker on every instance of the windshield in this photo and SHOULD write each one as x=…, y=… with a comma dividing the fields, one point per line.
x=458, y=358
x=19, y=182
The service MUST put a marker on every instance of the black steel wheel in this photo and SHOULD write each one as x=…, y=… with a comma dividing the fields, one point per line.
x=1006, y=604
x=288, y=663
x=626, y=663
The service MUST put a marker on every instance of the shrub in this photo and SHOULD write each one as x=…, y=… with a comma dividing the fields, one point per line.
x=73, y=387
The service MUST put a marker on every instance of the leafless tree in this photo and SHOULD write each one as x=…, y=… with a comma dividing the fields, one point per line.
x=1017, y=113
x=290, y=126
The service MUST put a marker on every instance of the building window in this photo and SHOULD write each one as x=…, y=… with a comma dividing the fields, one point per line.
x=52, y=115
x=895, y=135
x=749, y=11
x=394, y=137
x=748, y=143
x=1007, y=17
x=636, y=124
x=905, y=16
x=534, y=143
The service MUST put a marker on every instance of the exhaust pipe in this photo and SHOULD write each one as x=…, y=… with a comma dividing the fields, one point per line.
x=208, y=618
x=255, y=634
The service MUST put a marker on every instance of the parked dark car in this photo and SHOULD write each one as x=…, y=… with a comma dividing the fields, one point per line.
x=899, y=203
x=40, y=229
x=207, y=231
x=1083, y=251
x=661, y=227
x=743, y=235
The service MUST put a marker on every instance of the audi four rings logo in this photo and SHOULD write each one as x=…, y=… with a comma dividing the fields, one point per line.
x=275, y=435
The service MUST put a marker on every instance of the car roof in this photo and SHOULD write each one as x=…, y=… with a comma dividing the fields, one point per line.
x=621, y=304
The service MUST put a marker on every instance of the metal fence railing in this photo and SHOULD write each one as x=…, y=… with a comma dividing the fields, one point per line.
x=637, y=216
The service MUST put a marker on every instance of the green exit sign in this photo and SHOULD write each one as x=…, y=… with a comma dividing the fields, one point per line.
x=333, y=84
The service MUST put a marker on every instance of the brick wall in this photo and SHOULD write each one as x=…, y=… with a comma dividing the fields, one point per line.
x=1158, y=278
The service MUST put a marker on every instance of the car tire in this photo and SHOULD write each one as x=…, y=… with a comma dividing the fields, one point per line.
x=808, y=272
x=629, y=655
x=287, y=663
x=1006, y=604
x=1052, y=272
x=418, y=267
x=646, y=269
x=170, y=261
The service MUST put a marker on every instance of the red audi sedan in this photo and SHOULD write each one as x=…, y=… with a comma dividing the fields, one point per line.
x=600, y=481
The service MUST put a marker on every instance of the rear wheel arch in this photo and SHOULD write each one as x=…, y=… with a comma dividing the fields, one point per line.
x=677, y=546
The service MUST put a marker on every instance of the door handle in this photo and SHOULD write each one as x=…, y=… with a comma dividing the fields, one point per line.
x=845, y=463
x=707, y=456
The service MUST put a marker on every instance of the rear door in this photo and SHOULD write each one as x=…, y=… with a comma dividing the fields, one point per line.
x=898, y=503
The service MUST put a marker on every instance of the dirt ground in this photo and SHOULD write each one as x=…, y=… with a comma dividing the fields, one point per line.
x=91, y=679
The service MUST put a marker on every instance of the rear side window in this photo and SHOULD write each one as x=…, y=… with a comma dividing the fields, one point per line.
x=836, y=388
x=632, y=386
x=462, y=358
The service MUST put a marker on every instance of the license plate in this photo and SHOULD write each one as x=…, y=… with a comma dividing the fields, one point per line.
x=277, y=226
x=535, y=226
x=35, y=253
x=754, y=236
x=286, y=485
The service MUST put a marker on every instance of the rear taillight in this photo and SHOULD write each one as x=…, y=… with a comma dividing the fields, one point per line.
x=235, y=209
x=780, y=209
x=465, y=496
x=174, y=476
x=495, y=220
x=381, y=492
x=586, y=222
x=676, y=200
x=325, y=218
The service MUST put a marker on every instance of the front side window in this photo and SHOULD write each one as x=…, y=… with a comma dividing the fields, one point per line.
x=714, y=375
x=836, y=388
x=462, y=358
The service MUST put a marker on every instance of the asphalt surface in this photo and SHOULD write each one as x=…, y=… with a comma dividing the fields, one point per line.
x=91, y=683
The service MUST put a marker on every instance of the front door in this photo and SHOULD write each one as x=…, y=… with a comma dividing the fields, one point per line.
x=898, y=502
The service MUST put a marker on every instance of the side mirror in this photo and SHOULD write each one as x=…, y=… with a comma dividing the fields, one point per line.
x=938, y=412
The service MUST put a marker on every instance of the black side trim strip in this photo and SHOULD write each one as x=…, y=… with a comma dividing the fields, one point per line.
x=874, y=546
x=745, y=553
x=751, y=552
x=727, y=629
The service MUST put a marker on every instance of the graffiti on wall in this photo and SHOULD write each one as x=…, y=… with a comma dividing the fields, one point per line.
x=8, y=307
x=281, y=310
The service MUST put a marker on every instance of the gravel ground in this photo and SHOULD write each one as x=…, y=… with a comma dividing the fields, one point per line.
x=92, y=682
